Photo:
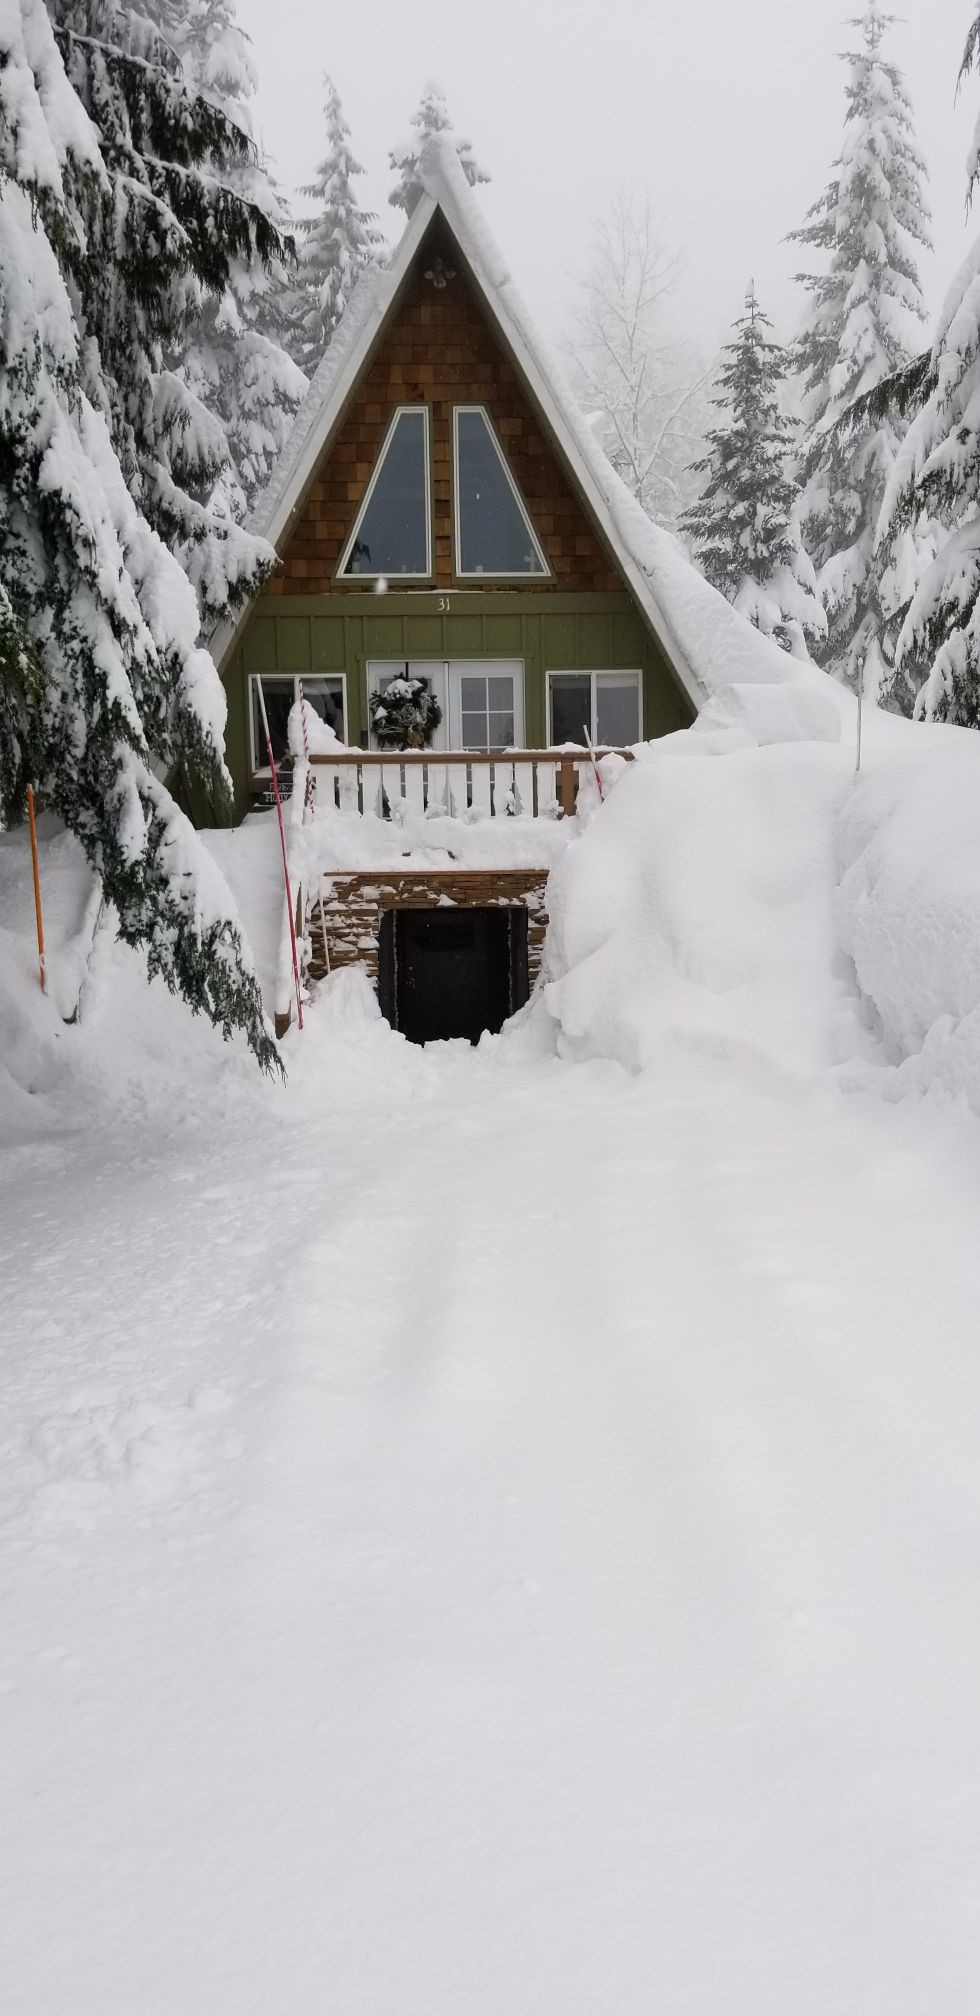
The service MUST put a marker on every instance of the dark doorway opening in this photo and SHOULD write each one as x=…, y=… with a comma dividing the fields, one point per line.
x=448, y=973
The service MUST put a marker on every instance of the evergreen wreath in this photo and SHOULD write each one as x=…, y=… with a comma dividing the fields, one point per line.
x=405, y=715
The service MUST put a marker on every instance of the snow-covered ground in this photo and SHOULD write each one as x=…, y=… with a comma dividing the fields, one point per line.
x=498, y=1530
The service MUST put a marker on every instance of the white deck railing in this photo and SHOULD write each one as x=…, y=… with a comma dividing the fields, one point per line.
x=534, y=783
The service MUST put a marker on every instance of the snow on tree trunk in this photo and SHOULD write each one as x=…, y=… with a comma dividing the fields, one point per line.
x=862, y=313
x=937, y=475
x=742, y=528
x=432, y=117
x=338, y=240
x=103, y=688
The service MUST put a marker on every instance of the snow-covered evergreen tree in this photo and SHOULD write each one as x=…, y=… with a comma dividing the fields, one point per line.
x=338, y=239
x=870, y=222
x=432, y=117
x=742, y=529
x=103, y=689
x=937, y=474
x=165, y=228
x=235, y=359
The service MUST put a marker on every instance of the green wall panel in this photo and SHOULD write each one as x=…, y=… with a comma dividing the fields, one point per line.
x=559, y=642
x=294, y=653
x=594, y=642
x=550, y=632
x=629, y=639
x=328, y=644
x=505, y=636
x=423, y=637
x=260, y=644
x=384, y=637
x=464, y=637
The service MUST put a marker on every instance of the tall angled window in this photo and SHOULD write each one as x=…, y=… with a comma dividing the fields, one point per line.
x=393, y=531
x=494, y=534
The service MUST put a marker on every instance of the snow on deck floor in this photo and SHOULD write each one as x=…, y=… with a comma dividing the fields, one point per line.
x=488, y=1535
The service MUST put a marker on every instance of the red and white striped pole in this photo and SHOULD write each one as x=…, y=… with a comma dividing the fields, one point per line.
x=309, y=801
x=285, y=859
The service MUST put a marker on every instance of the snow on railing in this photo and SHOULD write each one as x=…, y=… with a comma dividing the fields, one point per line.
x=528, y=783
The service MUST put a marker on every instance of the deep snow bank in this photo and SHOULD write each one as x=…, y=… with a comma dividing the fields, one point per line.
x=908, y=907
x=698, y=906
x=766, y=899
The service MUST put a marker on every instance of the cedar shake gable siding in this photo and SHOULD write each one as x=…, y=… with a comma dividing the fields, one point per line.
x=439, y=351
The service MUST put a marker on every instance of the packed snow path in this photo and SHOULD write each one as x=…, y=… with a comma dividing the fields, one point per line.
x=485, y=1535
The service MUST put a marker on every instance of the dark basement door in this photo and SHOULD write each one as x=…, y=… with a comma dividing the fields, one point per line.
x=451, y=973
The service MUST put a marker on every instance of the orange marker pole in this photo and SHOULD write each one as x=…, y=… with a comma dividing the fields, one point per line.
x=37, y=887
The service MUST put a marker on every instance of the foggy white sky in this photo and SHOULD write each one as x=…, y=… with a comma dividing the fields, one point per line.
x=729, y=112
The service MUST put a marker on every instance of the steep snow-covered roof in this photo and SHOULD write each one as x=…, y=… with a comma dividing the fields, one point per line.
x=713, y=650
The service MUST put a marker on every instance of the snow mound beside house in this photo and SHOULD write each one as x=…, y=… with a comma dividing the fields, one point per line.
x=766, y=900
x=908, y=908
x=698, y=908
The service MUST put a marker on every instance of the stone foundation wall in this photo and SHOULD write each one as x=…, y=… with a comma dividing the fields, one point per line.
x=350, y=914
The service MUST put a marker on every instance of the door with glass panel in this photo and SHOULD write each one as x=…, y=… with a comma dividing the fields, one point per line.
x=604, y=705
x=486, y=703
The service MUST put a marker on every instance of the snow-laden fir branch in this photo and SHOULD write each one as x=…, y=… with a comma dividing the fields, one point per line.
x=103, y=687
x=857, y=333
x=742, y=528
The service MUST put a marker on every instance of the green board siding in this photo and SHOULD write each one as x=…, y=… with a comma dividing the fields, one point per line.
x=557, y=633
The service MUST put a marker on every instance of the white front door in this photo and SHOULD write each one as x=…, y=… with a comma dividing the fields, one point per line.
x=486, y=703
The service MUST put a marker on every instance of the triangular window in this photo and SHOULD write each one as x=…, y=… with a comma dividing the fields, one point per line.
x=494, y=534
x=393, y=531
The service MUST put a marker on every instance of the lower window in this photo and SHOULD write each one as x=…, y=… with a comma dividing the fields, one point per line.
x=607, y=704
x=325, y=694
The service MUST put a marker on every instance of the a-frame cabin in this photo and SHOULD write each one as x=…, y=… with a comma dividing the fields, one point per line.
x=441, y=507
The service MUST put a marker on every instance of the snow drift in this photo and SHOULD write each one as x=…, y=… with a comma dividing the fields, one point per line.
x=765, y=899
x=908, y=907
x=698, y=907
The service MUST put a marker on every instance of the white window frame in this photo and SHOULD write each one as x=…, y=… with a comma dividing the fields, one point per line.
x=486, y=573
x=602, y=672
x=378, y=573
x=306, y=679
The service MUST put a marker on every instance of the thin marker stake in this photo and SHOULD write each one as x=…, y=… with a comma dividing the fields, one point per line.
x=595, y=766
x=37, y=889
